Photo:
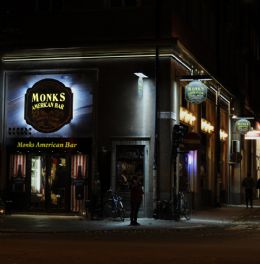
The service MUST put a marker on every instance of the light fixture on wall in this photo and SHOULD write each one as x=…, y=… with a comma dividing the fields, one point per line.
x=206, y=126
x=223, y=135
x=242, y=117
x=141, y=77
x=186, y=116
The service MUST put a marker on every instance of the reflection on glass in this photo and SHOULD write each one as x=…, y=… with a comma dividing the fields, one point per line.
x=36, y=175
x=37, y=181
x=57, y=182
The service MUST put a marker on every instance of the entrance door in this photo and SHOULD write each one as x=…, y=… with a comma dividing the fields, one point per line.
x=50, y=182
x=129, y=164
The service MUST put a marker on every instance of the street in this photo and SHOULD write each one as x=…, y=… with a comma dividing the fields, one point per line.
x=220, y=235
x=218, y=244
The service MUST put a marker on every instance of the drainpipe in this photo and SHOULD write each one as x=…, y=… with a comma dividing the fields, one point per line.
x=217, y=151
x=229, y=153
x=156, y=166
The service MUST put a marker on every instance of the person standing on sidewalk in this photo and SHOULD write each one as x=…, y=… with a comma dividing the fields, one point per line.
x=248, y=184
x=136, y=196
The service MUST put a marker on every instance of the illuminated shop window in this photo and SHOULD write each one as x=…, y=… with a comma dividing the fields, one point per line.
x=36, y=175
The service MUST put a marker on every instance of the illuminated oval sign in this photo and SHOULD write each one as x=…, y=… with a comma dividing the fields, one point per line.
x=48, y=105
x=242, y=126
x=196, y=92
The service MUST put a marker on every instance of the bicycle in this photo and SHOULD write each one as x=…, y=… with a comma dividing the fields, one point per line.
x=182, y=207
x=114, y=207
x=163, y=210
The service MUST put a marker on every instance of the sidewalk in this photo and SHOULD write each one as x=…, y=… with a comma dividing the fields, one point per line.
x=228, y=215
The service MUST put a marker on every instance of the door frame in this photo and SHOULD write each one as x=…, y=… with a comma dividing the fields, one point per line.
x=147, y=198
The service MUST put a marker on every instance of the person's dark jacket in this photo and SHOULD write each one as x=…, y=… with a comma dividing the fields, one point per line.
x=136, y=192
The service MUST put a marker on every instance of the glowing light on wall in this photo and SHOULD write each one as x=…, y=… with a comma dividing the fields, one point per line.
x=190, y=158
x=141, y=77
x=187, y=117
x=82, y=84
x=206, y=126
x=223, y=135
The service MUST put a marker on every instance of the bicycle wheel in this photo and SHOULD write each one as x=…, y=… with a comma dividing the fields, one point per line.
x=121, y=211
x=186, y=211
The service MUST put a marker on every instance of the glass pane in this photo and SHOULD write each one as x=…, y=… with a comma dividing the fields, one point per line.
x=58, y=181
x=129, y=163
x=38, y=171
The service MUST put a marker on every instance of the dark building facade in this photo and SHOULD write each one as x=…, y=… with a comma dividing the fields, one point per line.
x=91, y=91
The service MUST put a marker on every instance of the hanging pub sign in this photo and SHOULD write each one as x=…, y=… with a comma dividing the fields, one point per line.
x=196, y=92
x=48, y=105
x=242, y=126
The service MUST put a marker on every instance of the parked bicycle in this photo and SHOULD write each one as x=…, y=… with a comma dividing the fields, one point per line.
x=114, y=207
x=163, y=210
x=182, y=206
x=176, y=209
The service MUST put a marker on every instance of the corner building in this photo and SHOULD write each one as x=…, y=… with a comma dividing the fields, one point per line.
x=76, y=125
x=77, y=120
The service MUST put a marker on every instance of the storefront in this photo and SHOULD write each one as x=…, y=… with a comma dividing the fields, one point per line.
x=203, y=161
x=75, y=126
x=48, y=138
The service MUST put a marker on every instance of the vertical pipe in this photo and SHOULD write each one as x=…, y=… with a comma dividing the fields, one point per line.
x=217, y=150
x=228, y=154
x=156, y=143
x=156, y=166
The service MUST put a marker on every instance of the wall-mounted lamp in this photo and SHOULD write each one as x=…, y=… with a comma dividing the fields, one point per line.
x=187, y=117
x=141, y=77
x=242, y=117
x=206, y=126
x=223, y=135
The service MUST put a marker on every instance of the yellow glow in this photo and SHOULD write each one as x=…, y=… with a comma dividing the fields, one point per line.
x=223, y=135
x=187, y=117
x=206, y=126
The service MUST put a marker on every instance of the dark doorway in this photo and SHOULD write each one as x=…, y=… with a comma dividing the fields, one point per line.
x=129, y=163
x=49, y=182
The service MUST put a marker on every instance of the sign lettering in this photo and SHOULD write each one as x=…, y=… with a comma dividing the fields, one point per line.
x=196, y=92
x=48, y=105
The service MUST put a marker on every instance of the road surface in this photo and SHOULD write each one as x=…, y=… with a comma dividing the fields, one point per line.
x=225, y=244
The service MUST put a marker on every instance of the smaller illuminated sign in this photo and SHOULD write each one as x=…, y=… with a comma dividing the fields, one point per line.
x=196, y=92
x=254, y=134
x=44, y=145
x=242, y=126
x=70, y=145
x=48, y=105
